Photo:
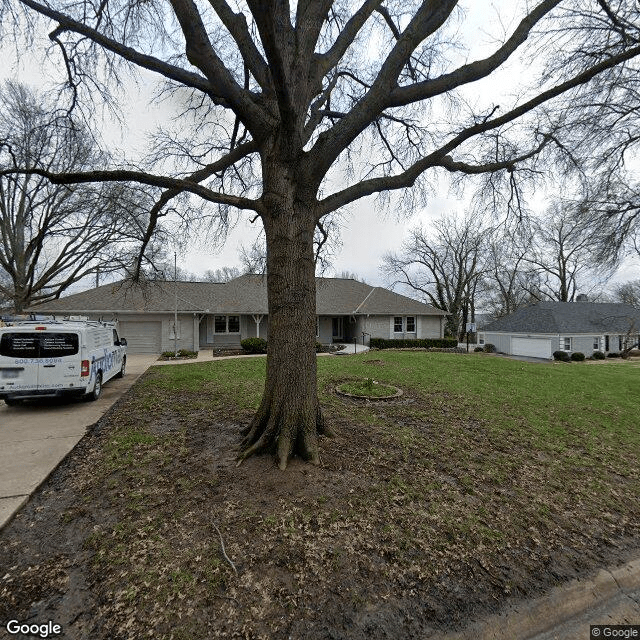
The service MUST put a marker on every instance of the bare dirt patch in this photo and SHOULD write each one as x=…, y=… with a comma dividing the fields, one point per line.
x=419, y=518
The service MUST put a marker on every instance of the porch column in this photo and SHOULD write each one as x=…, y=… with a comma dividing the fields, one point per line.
x=258, y=319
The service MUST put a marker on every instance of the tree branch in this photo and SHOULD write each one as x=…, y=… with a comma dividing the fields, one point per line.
x=202, y=55
x=144, y=61
x=474, y=71
x=438, y=157
x=236, y=25
x=428, y=18
x=125, y=175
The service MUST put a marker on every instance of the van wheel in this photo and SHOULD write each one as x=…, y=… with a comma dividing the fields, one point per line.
x=12, y=402
x=122, y=368
x=97, y=389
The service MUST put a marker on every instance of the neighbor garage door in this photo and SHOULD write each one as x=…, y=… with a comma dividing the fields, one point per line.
x=142, y=337
x=533, y=347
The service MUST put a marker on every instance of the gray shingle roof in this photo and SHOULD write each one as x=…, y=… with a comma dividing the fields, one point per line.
x=244, y=295
x=568, y=318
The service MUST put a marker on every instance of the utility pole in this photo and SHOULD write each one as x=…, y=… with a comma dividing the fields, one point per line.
x=175, y=315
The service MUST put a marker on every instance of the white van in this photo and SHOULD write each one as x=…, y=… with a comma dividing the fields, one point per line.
x=53, y=358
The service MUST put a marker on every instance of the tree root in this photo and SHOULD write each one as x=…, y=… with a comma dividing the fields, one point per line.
x=271, y=431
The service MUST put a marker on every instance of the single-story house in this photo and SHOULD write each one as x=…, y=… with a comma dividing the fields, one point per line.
x=220, y=315
x=542, y=328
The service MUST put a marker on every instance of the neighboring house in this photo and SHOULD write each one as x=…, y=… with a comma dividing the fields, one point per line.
x=220, y=315
x=540, y=329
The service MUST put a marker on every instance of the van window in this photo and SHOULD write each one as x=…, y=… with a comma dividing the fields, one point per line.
x=20, y=345
x=56, y=345
x=38, y=345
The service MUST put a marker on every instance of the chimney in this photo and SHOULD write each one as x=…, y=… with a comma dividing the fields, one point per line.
x=582, y=297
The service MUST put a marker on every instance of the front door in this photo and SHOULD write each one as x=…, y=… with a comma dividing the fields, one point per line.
x=338, y=329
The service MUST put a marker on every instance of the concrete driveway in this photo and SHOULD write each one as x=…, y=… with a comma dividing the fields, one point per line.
x=35, y=437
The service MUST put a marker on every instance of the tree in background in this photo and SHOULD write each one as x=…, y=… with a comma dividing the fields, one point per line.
x=221, y=275
x=56, y=235
x=507, y=278
x=288, y=115
x=562, y=257
x=628, y=293
x=443, y=267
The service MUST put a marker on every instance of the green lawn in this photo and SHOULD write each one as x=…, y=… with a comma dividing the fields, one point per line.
x=488, y=479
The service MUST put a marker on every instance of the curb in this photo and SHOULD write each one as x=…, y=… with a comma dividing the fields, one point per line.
x=561, y=605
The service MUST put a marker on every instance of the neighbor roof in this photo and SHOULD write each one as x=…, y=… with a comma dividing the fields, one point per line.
x=244, y=295
x=568, y=317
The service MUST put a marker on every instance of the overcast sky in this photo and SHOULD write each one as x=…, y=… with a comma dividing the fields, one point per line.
x=368, y=231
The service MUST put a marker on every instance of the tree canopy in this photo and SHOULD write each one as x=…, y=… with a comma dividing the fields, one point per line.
x=55, y=235
x=295, y=110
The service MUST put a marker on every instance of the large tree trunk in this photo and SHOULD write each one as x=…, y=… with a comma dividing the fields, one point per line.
x=289, y=418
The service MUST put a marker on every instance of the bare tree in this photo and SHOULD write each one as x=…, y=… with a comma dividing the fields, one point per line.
x=610, y=207
x=221, y=275
x=561, y=257
x=56, y=235
x=350, y=275
x=293, y=119
x=443, y=267
x=508, y=279
x=628, y=293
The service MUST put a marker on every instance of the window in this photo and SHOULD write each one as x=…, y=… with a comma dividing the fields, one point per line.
x=226, y=324
x=56, y=345
x=566, y=344
x=39, y=345
x=20, y=345
x=481, y=338
x=397, y=324
x=220, y=324
x=317, y=327
x=596, y=344
x=116, y=339
x=411, y=324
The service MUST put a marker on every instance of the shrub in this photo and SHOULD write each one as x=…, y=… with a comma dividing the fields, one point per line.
x=577, y=356
x=613, y=355
x=254, y=345
x=598, y=355
x=319, y=347
x=489, y=348
x=478, y=349
x=424, y=343
x=562, y=356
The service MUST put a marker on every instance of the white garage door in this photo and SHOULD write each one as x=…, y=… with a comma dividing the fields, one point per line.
x=533, y=347
x=142, y=337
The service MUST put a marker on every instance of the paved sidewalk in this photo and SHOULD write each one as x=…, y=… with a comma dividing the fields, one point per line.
x=206, y=355
x=36, y=437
